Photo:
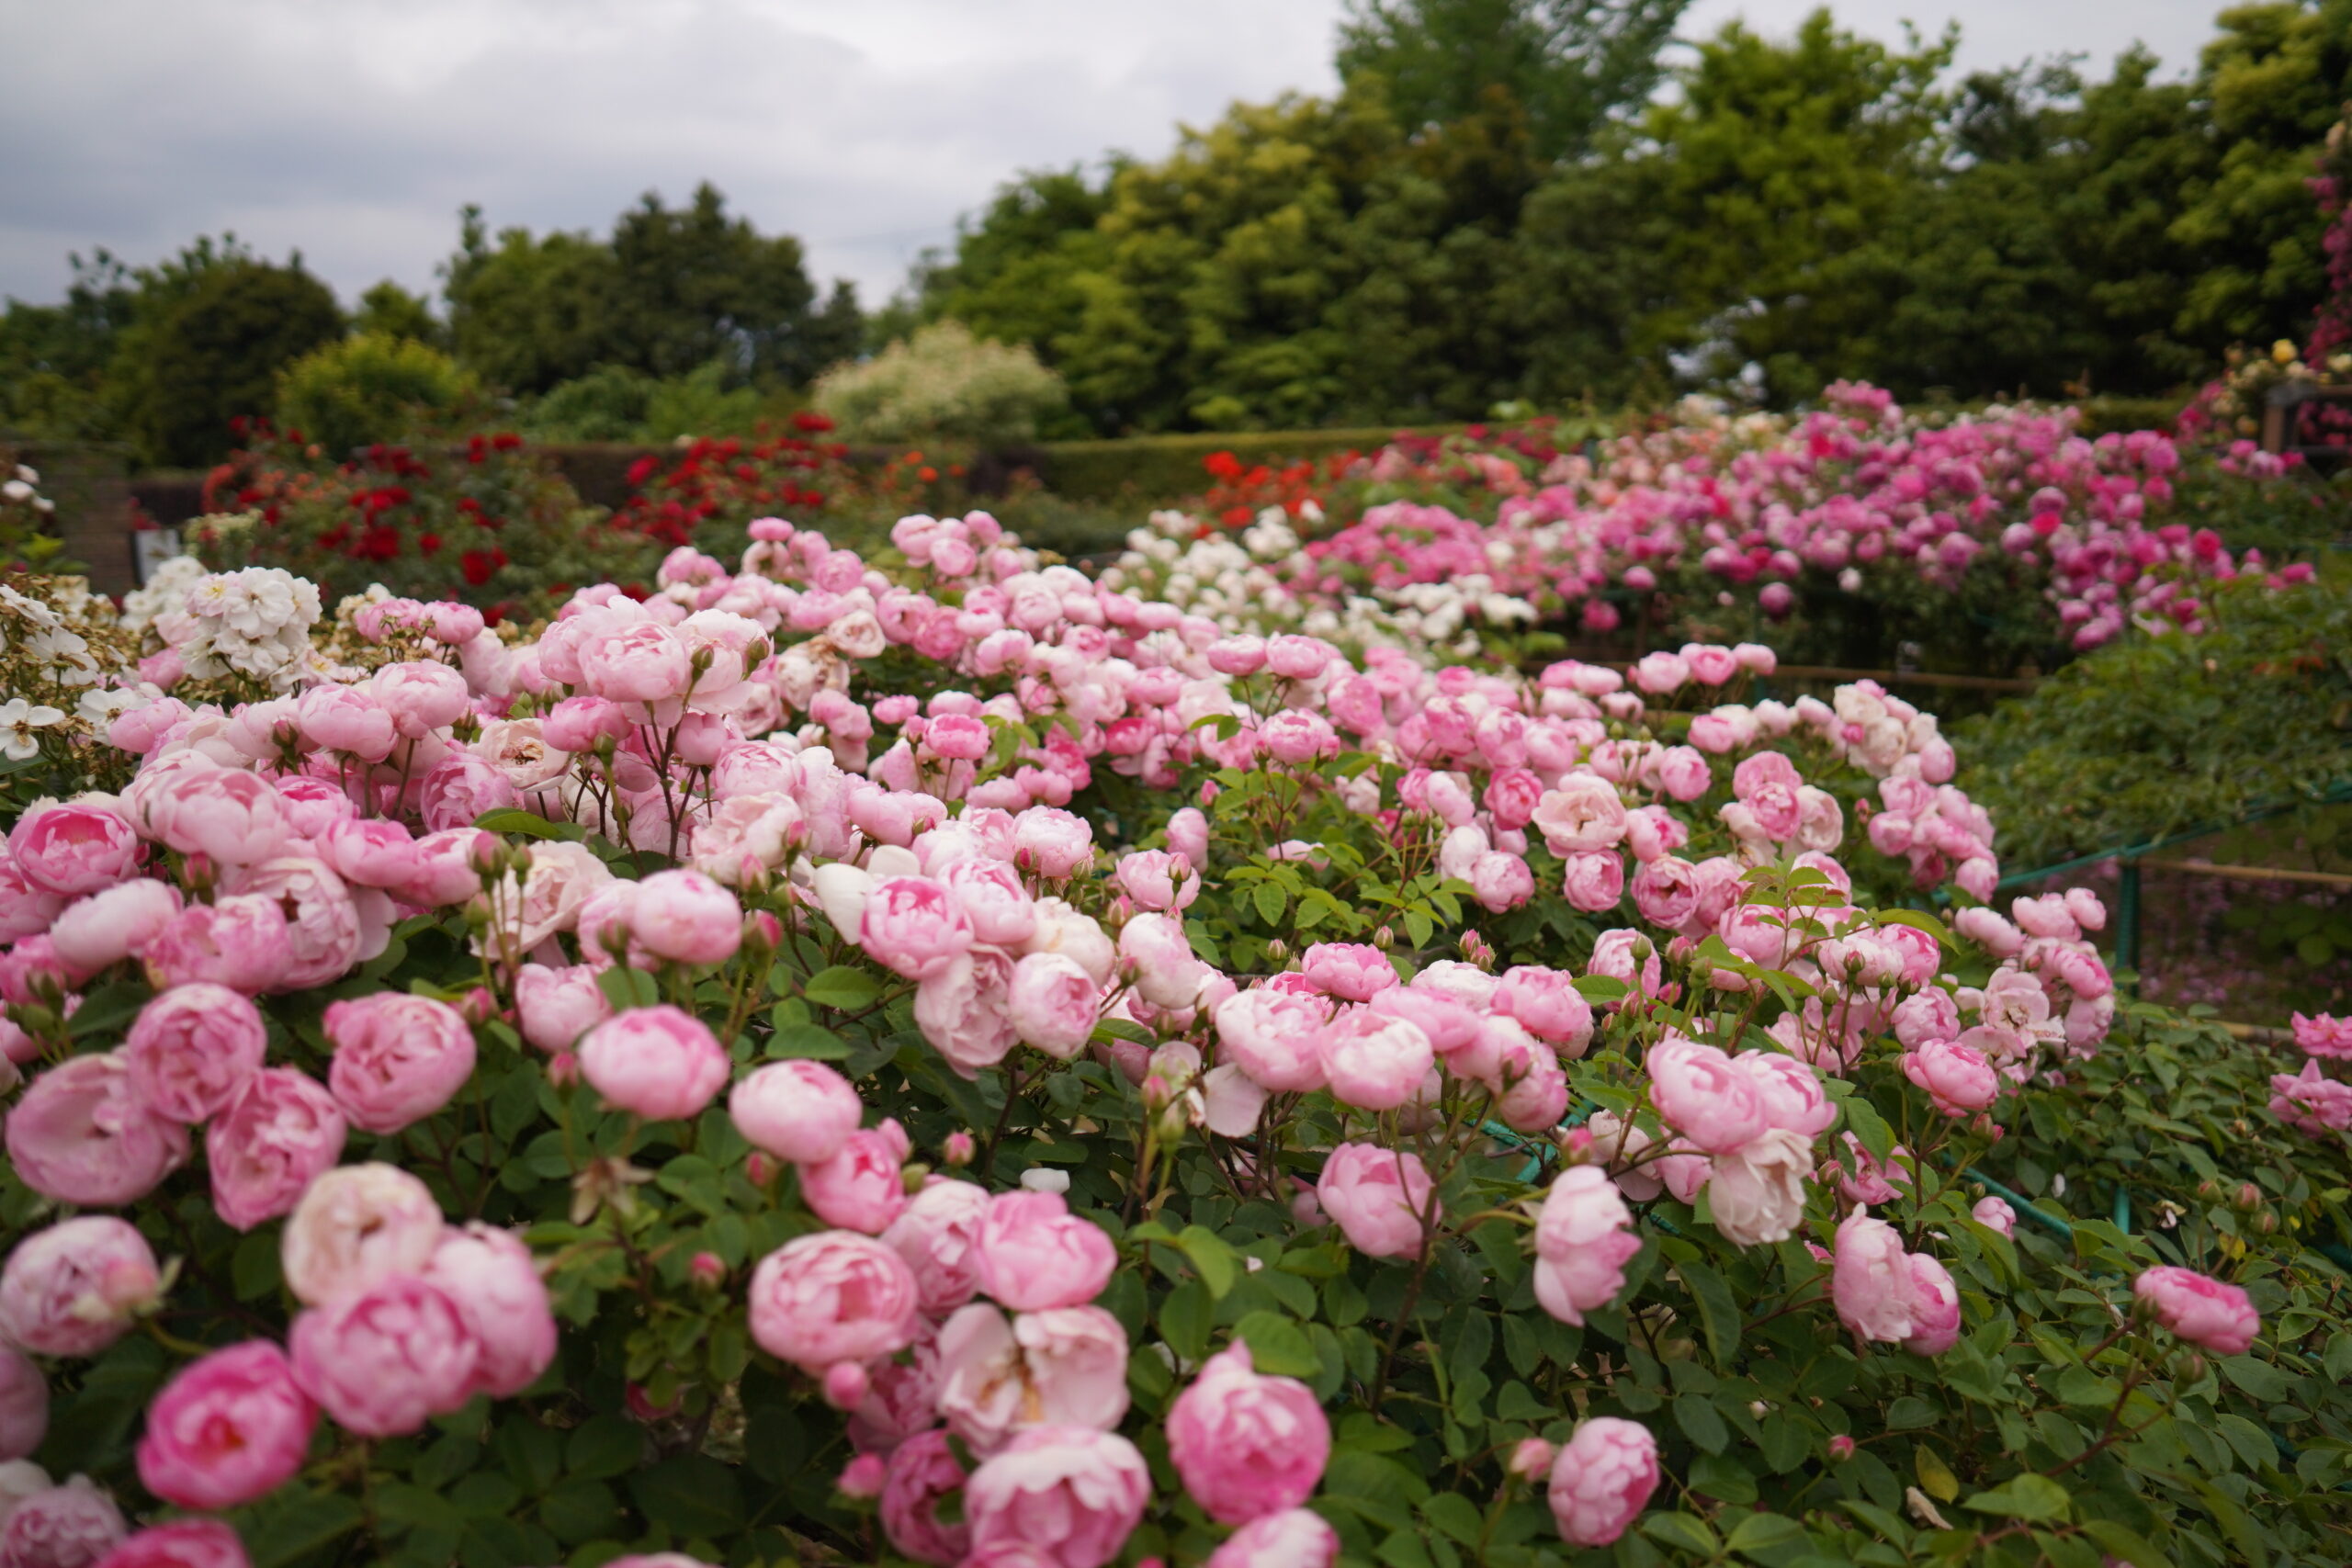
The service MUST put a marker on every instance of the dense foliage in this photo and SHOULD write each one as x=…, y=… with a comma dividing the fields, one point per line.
x=942, y=384
x=926, y=1058
x=1794, y=210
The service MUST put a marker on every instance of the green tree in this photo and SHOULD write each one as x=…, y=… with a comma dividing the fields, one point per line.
x=209, y=348
x=1569, y=64
x=530, y=312
x=368, y=388
x=389, y=309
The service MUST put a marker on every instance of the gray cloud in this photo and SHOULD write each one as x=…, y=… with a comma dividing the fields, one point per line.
x=353, y=130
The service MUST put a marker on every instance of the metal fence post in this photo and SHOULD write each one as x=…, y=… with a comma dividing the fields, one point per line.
x=2127, y=916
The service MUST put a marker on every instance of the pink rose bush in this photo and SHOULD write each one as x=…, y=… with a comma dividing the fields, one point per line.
x=1101, y=1082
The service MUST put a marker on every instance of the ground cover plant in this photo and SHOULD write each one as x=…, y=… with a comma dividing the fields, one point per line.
x=926, y=1057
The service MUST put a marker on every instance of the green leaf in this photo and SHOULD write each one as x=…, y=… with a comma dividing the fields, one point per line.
x=1185, y=1320
x=1867, y=1124
x=1269, y=902
x=604, y=1445
x=842, y=988
x=1278, y=1345
x=2337, y=1357
x=2117, y=1541
x=1456, y=1516
x=626, y=987
x=253, y=1266
x=108, y=1009
x=1696, y=1415
x=1934, y=1476
x=1218, y=1264
x=529, y=824
x=2260, y=1379
x=1686, y=1530
x=807, y=1042
x=1723, y=1478
x=2035, y=1497
x=1718, y=1313
x=1763, y=1532
x=305, y=1524
x=691, y=1495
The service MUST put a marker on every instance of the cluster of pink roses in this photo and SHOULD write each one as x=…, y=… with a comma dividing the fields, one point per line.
x=1858, y=487
x=2310, y=1101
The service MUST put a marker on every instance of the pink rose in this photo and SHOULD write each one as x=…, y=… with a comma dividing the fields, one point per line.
x=914, y=926
x=235, y=941
x=557, y=1005
x=388, y=1359
x=323, y=937
x=494, y=1282
x=834, y=1296
x=1602, y=1479
x=2309, y=1103
x=72, y=1290
x=662, y=1064
x=1166, y=973
x=1871, y=1283
x=24, y=1406
x=1934, y=1313
x=1068, y=1367
x=1993, y=1214
x=369, y=853
x=1584, y=1238
x=228, y=1429
x=421, y=695
x=192, y=1048
x=636, y=661
x=1791, y=1091
x=72, y=1526
x=923, y=1473
x=1956, y=1076
x=1034, y=1255
x=459, y=789
x=963, y=1008
x=278, y=1133
x=1756, y=1191
x=101, y=931
x=226, y=814
x=1583, y=815
x=1071, y=1495
x=1295, y=1537
x=69, y=850
x=398, y=1058
x=1051, y=843
x=1052, y=1003
x=82, y=1134
x=355, y=1226
x=2205, y=1311
x=1593, y=882
x=2325, y=1035
x=857, y=1186
x=1246, y=1445
x=1274, y=1036
x=1548, y=1005
x=1378, y=1196
x=345, y=719
x=1665, y=891
x=1704, y=1095
x=1001, y=909
x=1375, y=1062
x=685, y=916
x=938, y=1234
x=183, y=1543
x=798, y=1111
x=446, y=867
x=1352, y=972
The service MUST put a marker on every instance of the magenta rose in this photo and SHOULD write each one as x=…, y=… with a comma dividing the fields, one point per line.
x=1246, y=1445
x=385, y=1362
x=228, y=1429
x=192, y=1049
x=81, y=1134
x=280, y=1131
x=659, y=1062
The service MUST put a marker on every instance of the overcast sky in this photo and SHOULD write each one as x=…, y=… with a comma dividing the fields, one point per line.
x=353, y=130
